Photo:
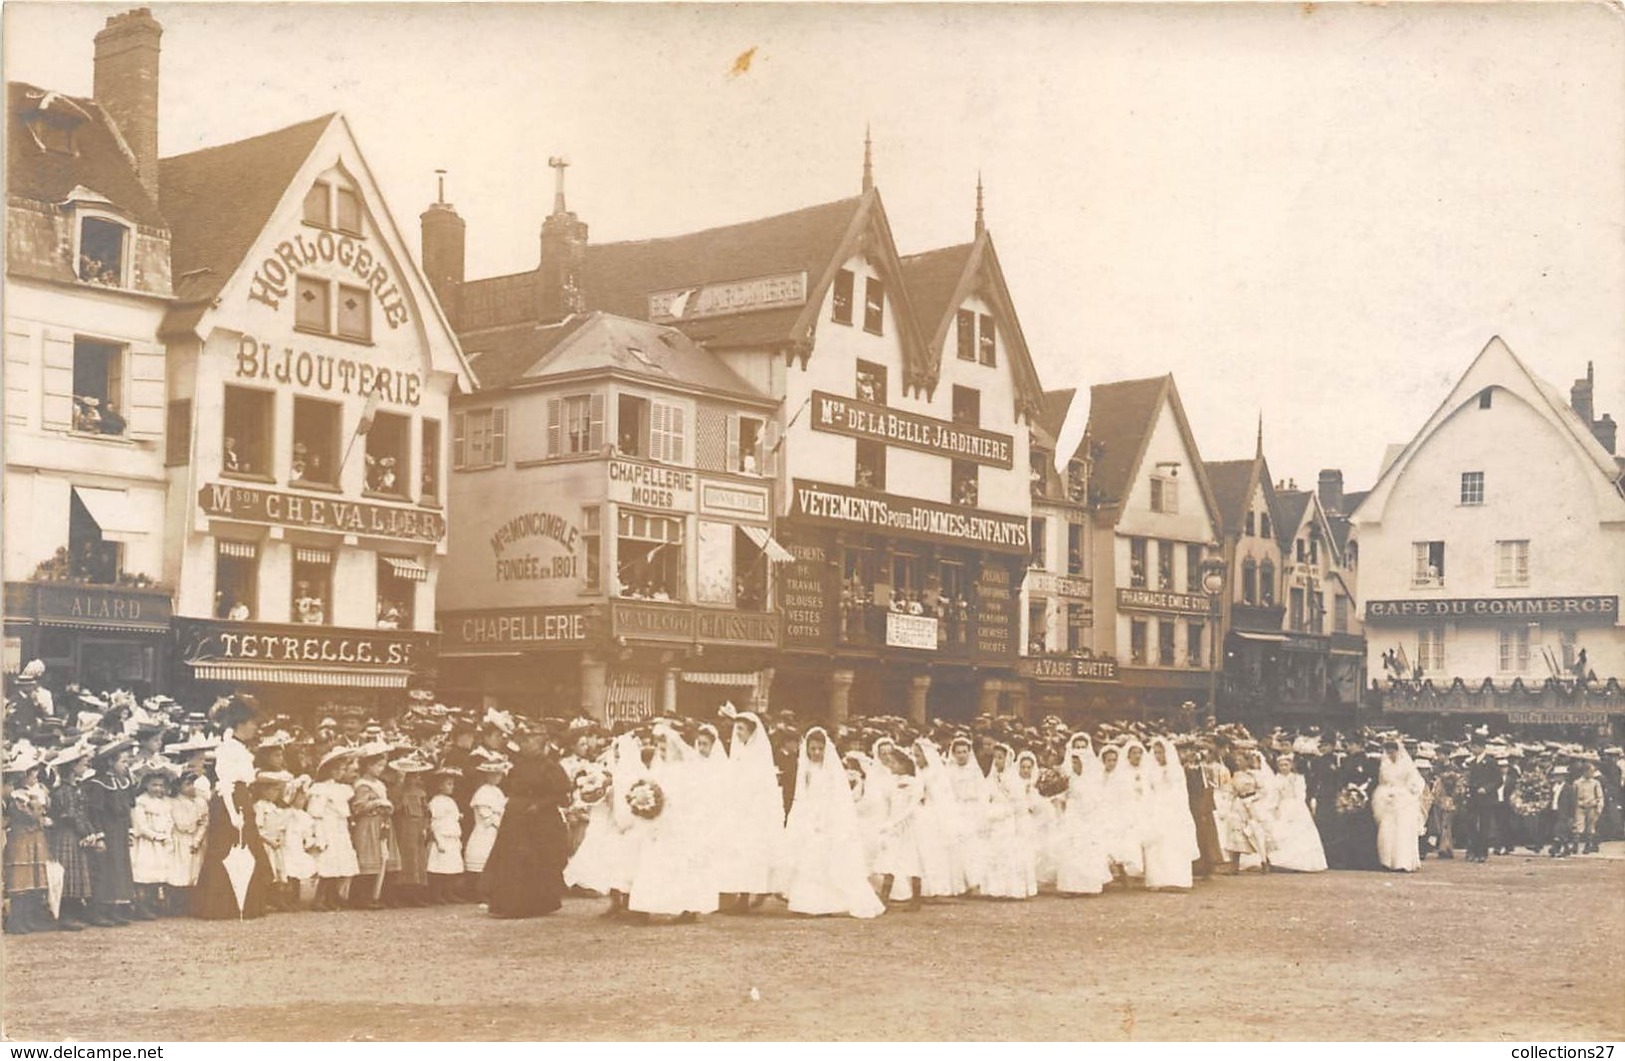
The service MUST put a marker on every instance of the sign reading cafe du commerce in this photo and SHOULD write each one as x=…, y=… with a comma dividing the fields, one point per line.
x=845, y=416
x=843, y=506
x=319, y=513
x=1603, y=610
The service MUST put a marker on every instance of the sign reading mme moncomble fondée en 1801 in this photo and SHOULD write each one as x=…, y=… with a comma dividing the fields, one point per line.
x=848, y=416
x=254, y=505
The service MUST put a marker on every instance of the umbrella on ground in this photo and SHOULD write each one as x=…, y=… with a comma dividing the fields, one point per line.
x=55, y=875
x=239, y=864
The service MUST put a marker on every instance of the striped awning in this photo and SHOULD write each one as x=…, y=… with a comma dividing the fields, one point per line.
x=280, y=674
x=407, y=568
x=306, y=555
x=749, y=678
x=111, y=625
x=238, y=550
x=776, y=553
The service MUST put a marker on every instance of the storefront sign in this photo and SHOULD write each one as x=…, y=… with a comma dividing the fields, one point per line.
x=803, y=596
x=736, y=296
x=911, y=631
x=514, y=628
x=276, y=274
x=995, y=612
x=1556, y=718
x=629, y=696
x=737, y=628
x=842, y=506
x=1602, y=610
x=858, y=419
x=215, y=641
x=1068, y=668
x=727, y=499
x=1305, y=644
x=93, y=605
x=1064, y=586
x=253, y=505
x=1152, y=600
x=538, y=526
x=651, y=485
x=257, y=361
x=652, y=622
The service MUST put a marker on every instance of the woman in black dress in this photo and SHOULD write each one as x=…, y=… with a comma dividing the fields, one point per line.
x=524, y=877
x=214, y=897
x=109, y=799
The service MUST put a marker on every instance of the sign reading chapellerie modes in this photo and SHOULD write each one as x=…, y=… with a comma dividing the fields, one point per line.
x=320, y=513
x=847, y=416
x=1603, y=610
x=214, y=641
x=804, y=597
x=842, y=506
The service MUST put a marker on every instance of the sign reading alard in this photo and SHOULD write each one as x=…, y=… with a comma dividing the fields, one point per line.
x=1595, y=609
x=847, y=416
x=844, y=506
x=320, y=513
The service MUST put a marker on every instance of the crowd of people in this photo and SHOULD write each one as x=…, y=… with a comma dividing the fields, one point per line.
x=118, y=810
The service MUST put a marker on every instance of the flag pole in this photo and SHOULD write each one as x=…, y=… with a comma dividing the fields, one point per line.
x=362, y=426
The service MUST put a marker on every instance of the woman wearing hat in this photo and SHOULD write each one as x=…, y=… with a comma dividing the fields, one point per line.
x=329, y=808
x=109, y=801
x=370, y=816
x=27, y=805
x=524, y=877
x=409, y=875
x=70, y=825
x=231, y=820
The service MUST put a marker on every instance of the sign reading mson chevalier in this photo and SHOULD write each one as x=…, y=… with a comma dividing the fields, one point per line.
x=319, y=513
x=846, y=416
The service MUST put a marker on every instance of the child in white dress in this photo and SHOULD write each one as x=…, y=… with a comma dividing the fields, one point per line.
x=445, y=836
x=272, y=819
x=329, y=808
x=152, y=848
x=190, y=810
x=487, y=806
x=298, y=836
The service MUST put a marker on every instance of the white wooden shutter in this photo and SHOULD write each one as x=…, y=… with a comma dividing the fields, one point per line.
x=555, y=446
x=146, y=391
x=595, y=429
x=58, y=385
x=678, y=428
x=499, y=435
x=733, y=442
x=656, y=449
x=768, y=462
x=459, y=444
x=20, y=376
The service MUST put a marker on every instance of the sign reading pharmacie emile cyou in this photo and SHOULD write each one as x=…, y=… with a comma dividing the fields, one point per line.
x=843, y=506
x=253, y=505
x=1593, y=609
x=847, y=416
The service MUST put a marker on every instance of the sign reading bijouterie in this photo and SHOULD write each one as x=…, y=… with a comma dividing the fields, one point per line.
x=1068, y=668
x=257, y=361
x=214, y=641
x=253, y=505
x=848, y=416
x=513, y=628
x=845, y=507
x=1596, y=609
x=1154, y=600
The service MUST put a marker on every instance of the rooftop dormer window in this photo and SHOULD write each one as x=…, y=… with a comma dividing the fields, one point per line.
x=103, y=252
x=330, y=204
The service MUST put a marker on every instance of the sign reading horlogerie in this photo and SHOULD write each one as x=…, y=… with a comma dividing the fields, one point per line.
x=846, y=416
x=844, y=506
x=1596, y=609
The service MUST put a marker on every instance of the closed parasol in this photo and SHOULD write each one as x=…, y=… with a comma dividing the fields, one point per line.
x=239, y=865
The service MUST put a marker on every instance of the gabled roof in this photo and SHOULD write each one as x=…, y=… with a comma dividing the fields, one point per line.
x=221, y=199
x=1290, y=506
x=933, y=278
x=100, y=163
x=1232, y=489
x=1056, y=406
x=593, y=343
x=1122, y=417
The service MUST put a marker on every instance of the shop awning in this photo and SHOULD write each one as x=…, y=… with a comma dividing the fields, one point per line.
x=306, y=555
x=406, y=568
x=281, y=674
x=1251, y=636
x=237, y=550
x=776, y=553
x=110, y=625
x=118, y=518
x=719, y=678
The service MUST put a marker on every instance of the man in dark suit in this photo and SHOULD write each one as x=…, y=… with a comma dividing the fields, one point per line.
x=1559, y=814
x=1483, y=786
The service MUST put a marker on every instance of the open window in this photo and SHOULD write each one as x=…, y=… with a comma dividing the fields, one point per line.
x=236, y=580
x=398, y=577
x=967, y=407
x=592, y=548
x=1427, y=560
x=747, y=437
x=104, y=246
x=987, y=346
x=98, y=387
x=874, y=305
x=429, y=477
x=1137, y=563
x=1165, y=565
x=1136, y=641
x=316, y=441
x=870, y=385
x=1074, y=548
x=247, y=416
x=870, y=470
x=1038, y=533
x=92, y=558
x=631, y=426
x=312, y=585
x=575, y=425
x=388, y=454
x=965, y=483
x=965, y=334
x=649, y=556
x=841, y=298
x=1037, y=626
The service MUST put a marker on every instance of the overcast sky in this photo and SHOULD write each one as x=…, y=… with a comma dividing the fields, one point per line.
x=1317, y=212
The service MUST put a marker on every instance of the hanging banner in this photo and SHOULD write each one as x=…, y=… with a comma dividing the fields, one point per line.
x=629, y=697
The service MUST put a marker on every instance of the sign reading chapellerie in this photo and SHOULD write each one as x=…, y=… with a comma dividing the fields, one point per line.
x=651, y=485
x=733, y=296
x=848, y=416
x=1154, y=600
x=803, y=596
x=1594, y=609
x=843, y=506
x=513, y=628
x=214, y=641
x=253, y=505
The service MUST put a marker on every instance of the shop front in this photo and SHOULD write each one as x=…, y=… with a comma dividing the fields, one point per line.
x=1077, y=689
x=529, y=658
x=104, y=637
x=675, y=659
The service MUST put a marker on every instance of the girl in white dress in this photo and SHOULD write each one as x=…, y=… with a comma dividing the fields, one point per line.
x=972, y=795
x=898, y=859
x=1294, y=841
x=329, y=808
x=826, y=873
x=604, y=861
x=869, y=782
x=1251, y=796
x=674, y=875
x=1121, y=812
x=1396, y=803
x=752, y=818
x=1011, y=871
x=1036, y=825
x=936, y=820
x=713, y=782
x=1170, y=836
x=152, y=846
x=191, y=813
x=1081, y=864
x=487, y=805
x=445, y=862
x=298, y=835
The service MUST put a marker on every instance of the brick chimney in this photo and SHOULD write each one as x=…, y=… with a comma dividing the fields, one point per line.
x=445, y=237
x=1580, y=395
x=1606, y=431
x=1331, y=491
x=126, y=86
x=564, y=256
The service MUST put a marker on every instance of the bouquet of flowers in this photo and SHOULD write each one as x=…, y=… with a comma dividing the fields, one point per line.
x=1531, y=796
x=1352, y=799
x=592, y=785
x=1051, y=782
x=646, y=800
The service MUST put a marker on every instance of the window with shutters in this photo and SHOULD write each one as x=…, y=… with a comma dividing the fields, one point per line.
x=236, y=580
x=248, y=417
x=316, y=430
x=1430, y=649
x=874, y=305
x=747, y=445
x=348, y=211
x=318, y=205
x=429, y=478
x=389, y=455
x=592, y=547
x=986, y=342
x=1512, y=562
x=355, y=313
x=479, y=439
x=1164, y=494
x=648, y=556
x=312, y=585
x=575, y=425
x=178, y=434
x=1427, y=564
x=965, y=333
x=668, y=433
x=631, y=426
x=98, y=387
x=841, y=297
x=333, y=205
x=104, y=250
x=311, y=311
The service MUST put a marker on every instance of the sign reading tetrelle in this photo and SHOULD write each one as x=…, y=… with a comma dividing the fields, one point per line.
x=320, y=513
x=211, y=641
x=847, y=416
x=844, y=506
x=1595, y=609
